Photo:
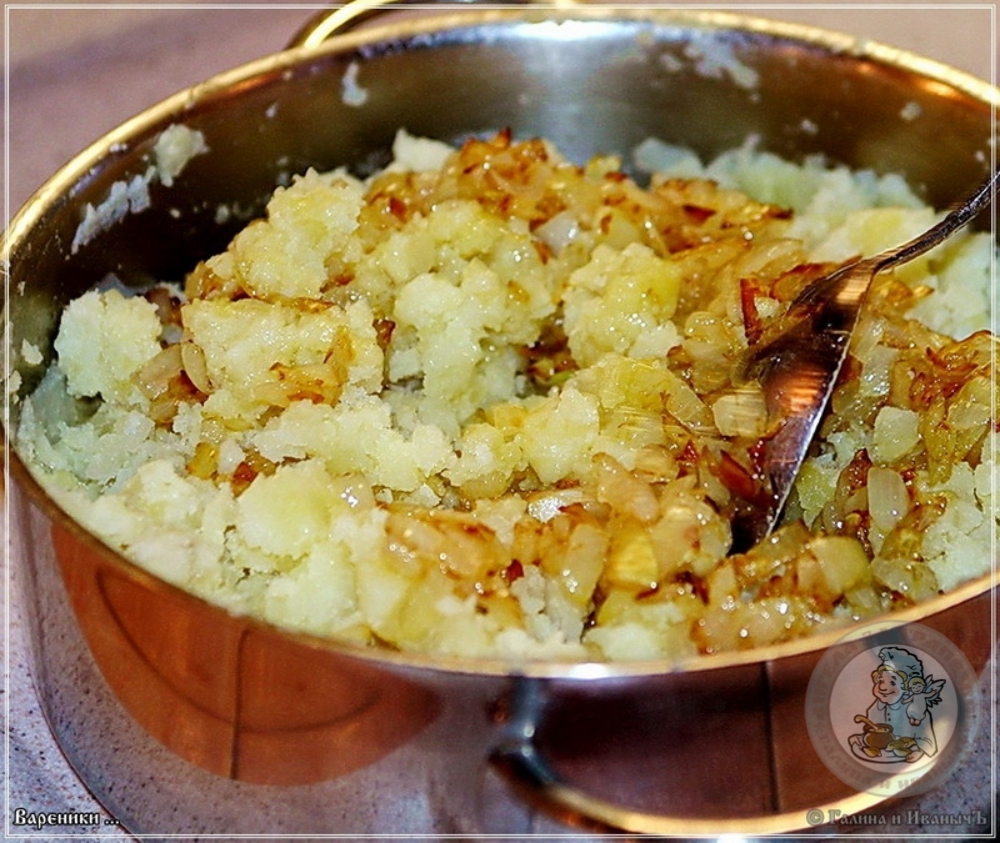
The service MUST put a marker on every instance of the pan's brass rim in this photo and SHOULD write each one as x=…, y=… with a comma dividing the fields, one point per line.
x=336, y=27
x=767, y=666
x=174, y=107
x=306, y=45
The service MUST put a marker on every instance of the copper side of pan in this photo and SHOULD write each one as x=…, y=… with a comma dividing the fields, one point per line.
x=250, y=703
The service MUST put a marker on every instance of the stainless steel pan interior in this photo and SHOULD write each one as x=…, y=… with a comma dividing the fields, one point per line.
x=295, y=733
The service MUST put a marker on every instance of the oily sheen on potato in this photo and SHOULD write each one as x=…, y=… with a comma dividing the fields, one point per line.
x=482, y=404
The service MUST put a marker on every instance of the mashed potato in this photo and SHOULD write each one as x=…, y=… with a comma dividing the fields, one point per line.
x=482, y=404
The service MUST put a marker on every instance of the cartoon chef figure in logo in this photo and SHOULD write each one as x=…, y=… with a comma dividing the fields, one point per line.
x=898, y=725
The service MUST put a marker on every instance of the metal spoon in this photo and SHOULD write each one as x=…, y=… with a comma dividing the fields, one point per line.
x=798, y=362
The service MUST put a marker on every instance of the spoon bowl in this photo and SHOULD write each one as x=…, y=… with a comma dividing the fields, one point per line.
x=798, y=359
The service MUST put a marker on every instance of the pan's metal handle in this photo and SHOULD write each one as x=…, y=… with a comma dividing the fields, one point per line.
x=340, y=19
x=517, y=758
x=519, y=761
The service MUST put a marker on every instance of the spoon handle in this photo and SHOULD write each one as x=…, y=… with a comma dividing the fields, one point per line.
x=948, y=225
x=799, y=364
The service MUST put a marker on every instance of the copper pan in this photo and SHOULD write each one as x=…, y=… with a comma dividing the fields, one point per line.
x=240, y=728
